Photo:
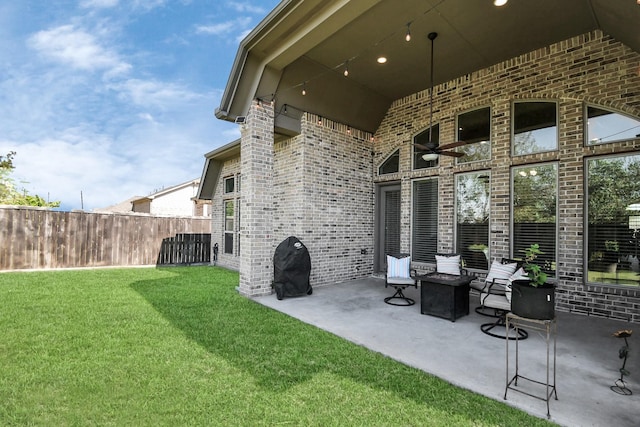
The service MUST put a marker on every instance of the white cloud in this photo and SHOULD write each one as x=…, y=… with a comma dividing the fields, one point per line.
x=216, y=29
x=243, y=7
x=78, y=49
x=98, y=4
x=227, y=27
x=162, y=95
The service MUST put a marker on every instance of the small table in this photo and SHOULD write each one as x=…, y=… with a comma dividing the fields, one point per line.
x=550, y=330
x=444, y=295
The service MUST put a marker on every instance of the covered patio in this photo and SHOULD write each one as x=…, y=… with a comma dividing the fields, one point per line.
x=458, y=352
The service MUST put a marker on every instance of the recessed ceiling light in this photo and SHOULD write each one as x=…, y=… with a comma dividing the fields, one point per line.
x=382, y=59
x=499, y=2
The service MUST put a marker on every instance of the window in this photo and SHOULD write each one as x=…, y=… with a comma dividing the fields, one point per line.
x=534, y=210
x=613, y=218
x=229, y=185
x=472, y=218
x=425, y=220
x=535, y=127
x=431, y=141
x=229, y=226
x=606, y=126
x=474, y=127
x=391, y=165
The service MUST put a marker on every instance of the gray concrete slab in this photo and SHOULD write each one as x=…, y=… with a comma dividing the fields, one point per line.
x=458, y=352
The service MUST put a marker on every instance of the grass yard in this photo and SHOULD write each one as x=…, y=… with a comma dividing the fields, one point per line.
x=179, y=346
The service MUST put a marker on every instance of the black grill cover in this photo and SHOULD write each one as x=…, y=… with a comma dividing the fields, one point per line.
x=291, y=269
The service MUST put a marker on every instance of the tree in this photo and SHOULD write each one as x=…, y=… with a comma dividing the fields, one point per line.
x=10, y=194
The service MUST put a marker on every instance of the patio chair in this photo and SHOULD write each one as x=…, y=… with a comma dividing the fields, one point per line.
x=399, y=276
x=501, y=304
x=495, y=283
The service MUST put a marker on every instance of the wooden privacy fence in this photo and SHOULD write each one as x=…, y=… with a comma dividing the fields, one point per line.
x=37, y=238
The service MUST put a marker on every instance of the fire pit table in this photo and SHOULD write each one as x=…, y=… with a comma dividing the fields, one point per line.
x=444, y=295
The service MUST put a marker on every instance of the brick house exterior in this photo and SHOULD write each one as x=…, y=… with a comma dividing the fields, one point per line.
x=322, y=184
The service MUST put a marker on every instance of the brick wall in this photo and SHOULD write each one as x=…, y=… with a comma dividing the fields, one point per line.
x=324, y=187
x=321, y=183
x=256, y=205
x=590, y=68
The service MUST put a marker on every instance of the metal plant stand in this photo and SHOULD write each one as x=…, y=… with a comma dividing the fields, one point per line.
x=620, y=386
x=550, y=328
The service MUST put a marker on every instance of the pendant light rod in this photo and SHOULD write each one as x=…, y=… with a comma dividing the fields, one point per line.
x=432, y=37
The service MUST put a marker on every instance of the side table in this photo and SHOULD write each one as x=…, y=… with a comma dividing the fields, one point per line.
x=550, y=329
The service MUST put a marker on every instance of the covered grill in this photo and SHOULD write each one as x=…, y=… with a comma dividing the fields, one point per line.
x=291, y=269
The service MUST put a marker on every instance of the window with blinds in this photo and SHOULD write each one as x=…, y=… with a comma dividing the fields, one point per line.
x=472, y=218
x=613, y=218
x=424, y=237
x=534, y=212
x=392, y=222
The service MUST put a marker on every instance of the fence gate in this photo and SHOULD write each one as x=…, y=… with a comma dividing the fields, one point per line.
x=185, y=249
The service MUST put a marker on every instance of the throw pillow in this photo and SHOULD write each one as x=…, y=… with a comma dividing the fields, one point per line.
x=399, y=267
x=448, y=264
x=500, y=271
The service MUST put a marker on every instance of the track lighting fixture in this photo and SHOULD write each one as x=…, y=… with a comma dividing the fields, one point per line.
x=407, y=36
x=346, y=68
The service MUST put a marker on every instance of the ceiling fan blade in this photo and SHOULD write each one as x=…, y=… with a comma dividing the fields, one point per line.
x=451, y=153
x=423, y=147
x=453, y=145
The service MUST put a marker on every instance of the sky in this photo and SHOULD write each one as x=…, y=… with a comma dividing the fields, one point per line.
x=104, y=100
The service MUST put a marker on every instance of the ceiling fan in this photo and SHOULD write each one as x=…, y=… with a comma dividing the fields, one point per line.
x=432, y=149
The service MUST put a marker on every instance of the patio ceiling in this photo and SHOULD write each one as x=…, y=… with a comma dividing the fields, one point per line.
x=307, y=43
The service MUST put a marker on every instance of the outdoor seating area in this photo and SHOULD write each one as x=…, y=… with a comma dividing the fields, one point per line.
x=458, y=352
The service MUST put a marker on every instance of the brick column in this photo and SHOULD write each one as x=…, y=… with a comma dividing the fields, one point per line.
x=256, y=206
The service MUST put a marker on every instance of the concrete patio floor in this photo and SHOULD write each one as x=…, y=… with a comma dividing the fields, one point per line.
x=458, y=352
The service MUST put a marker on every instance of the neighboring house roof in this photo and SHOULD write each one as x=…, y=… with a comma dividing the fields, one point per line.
x=124, y=206
x=168, y=190
x=309, y=43
x=212, y=167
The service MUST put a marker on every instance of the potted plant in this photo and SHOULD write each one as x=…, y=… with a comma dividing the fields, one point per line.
x=532, y=296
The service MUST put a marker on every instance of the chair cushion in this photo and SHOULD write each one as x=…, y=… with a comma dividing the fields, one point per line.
x=495, y=301
x=448, y=264
x=500, y=271
x=408, y=281
x=399, y=267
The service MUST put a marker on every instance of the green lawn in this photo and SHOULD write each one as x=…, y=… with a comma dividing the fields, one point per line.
x=179, y=346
